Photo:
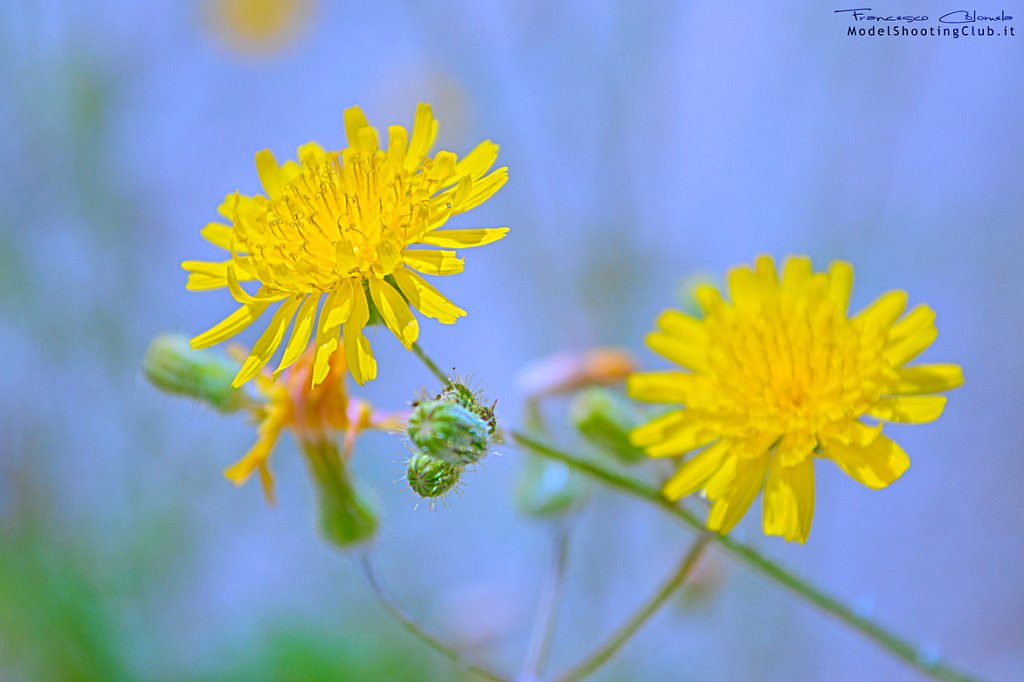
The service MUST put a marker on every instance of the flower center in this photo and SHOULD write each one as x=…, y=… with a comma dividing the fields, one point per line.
x=348, y=215
x=792, y=366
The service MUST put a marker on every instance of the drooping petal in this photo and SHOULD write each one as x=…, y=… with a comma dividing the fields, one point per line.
x=789, y=500
x=692, y=476
x=916, y=409
x=395, y=312
x=358, y=353
x=426, y=298
x=267, y=344
x=456, y=239
x=737, y=498
x=300, y=333
x=875, y=466
x=230, y=325
x=928, y=379
x=335, y=312
x=431, y=262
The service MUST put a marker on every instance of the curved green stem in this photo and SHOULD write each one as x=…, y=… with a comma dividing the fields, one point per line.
x=619, y=638
x=393, y=608
x=896, y=645
x=430, y=364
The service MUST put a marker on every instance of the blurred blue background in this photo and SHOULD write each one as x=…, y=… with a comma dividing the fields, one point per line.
x=646, y=142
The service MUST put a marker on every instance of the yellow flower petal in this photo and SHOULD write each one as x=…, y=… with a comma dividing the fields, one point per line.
x=840, y=284
x=217, y=234
x=692, y=356
x=482, y=190
x=267, y=344
x=335, y=312
x=928, y=379
x=300, y=333
x=426, y=298
x=355, y=123
x=230, y=325
x=683, y=327
x=911, y=336
x=660, y=387
x=358, y=353
x=431, y=262
x=424, y=132
x=395, y=312
x=682, y=439
x=455, y=239
x=918, y=409
x=270, y=173
x=789, y=501
x=884, y=311
x=654, y=431
x=736, y=500
x=692, y=476
x=796, y=275
x=478, y=161
x=875, y=466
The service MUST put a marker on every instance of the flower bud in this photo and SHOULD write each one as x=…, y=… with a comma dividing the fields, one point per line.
x=605, y=420
x=449, y=432
x=172, y=366
x=431, y=477
x=461, y=394
x=347, y=516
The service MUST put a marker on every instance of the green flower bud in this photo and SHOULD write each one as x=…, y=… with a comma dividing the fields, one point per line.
x=605, y=420
x=347, y=516
x=431, y=477
x=172, y=366
x=449, y=432
x=461, y=394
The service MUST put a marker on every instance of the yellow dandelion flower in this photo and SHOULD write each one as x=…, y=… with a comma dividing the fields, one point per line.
x=781, y=375
x=358, y=227
x=314, y=416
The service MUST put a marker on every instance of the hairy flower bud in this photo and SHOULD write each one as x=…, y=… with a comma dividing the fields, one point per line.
x=458, y=392
x=172, y=366
x=605, y=420
x=431, y=477
x=449, y=432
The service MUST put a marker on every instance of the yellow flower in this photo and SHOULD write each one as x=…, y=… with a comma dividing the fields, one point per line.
x=781, y=375
x=314, y=416
x=357, y=226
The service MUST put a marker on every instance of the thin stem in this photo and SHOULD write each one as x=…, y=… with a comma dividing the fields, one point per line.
x=896, y=645
x=619, y=638
x=430, y=364
x=399, y=613
x=547, y=609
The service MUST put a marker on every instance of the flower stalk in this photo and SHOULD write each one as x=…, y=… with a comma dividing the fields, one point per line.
x=891, y=642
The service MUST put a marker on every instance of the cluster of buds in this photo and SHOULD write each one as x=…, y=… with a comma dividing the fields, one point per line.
x=450, y=432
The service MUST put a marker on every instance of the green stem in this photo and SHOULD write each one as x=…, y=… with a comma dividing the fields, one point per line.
x=547, y=610
x=393, y=608
x=896, y=645
x=430, y=364
x=619, y=638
